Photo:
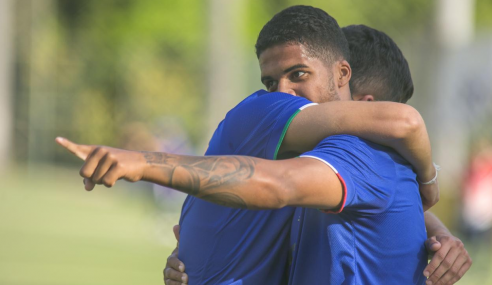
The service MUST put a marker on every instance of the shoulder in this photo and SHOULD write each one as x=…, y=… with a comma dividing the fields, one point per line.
x=362, y=148
x=256, y=125
x=345, y=144
x=358, y=157
x=261, y=101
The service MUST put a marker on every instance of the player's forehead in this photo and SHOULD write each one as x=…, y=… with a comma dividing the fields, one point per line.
x=280, y=57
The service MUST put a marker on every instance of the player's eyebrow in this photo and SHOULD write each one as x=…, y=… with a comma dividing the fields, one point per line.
x=300, y=65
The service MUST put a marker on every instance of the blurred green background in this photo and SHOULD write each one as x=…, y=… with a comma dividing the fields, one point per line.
x=160, y=75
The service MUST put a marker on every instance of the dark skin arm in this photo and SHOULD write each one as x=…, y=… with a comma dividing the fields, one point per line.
x=232, y=181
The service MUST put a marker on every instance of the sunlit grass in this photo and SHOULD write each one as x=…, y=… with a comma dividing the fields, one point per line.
x=53, y=232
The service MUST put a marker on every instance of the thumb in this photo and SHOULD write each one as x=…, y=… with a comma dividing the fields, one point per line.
x=176, y=229
x=432, y=244
x=80, y=150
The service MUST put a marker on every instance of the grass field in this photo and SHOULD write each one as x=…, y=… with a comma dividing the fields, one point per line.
x=52, y=232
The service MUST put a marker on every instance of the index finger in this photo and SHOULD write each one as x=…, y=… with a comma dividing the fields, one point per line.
x=436, y=261
x=80, y=150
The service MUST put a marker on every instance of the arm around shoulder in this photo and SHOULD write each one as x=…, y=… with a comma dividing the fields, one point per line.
x=379, y=122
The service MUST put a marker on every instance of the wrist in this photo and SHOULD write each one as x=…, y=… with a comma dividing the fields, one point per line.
x=143, y=165
x=439, y=231
x=429, y=176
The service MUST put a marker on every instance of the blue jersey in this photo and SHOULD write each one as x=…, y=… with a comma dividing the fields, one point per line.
x=378, y=235
x=221, y=245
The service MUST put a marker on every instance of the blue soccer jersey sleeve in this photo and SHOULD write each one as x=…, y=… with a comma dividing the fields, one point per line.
x=221, y=245
x=368, y=182
x=257, y=125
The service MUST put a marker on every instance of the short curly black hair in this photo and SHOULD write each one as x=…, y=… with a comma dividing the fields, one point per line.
x=309, y=26
x=378, y=65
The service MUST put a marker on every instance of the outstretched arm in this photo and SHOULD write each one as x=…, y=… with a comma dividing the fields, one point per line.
x=233, y=181
x=396, y=125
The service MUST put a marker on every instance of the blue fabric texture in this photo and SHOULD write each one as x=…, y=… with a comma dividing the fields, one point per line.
x=221, y=245
x=378, y=237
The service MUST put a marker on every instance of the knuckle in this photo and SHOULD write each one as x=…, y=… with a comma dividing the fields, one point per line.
x=440, y=255
x=446, y=264
x=445, y=238
x=84, y=173
x=107, y=182
x=431, y=267
x=111, y=156
x=97, y=149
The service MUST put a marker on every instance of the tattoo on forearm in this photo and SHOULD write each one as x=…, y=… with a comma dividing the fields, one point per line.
x=205, y=177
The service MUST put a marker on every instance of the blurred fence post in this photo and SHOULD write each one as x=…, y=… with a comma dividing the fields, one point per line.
x=454, y=31
x=42, y=69
x=226, y=65
x=6, y=40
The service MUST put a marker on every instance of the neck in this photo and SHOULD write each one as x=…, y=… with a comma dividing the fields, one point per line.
x=344, y=93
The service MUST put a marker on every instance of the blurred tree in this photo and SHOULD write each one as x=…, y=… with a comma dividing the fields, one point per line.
x=137, y=60
x=483, y=14
x=391, y=16
x=86, y=69
x=107, y=64
x=6, y=41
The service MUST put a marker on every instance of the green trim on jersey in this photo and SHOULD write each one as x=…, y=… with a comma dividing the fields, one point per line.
x=283, y=133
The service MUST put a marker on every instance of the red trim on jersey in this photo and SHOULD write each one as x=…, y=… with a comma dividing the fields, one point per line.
x=344, y=199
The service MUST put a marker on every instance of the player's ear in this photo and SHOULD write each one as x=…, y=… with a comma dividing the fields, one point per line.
x=344, y=73
x=366, y=97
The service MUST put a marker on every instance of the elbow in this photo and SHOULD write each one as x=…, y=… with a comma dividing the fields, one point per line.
x=432, y=202
x=276, y=194
x=436, y=199
x=411, y=123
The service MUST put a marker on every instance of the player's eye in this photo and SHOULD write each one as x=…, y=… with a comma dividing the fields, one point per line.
x=297, y=74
